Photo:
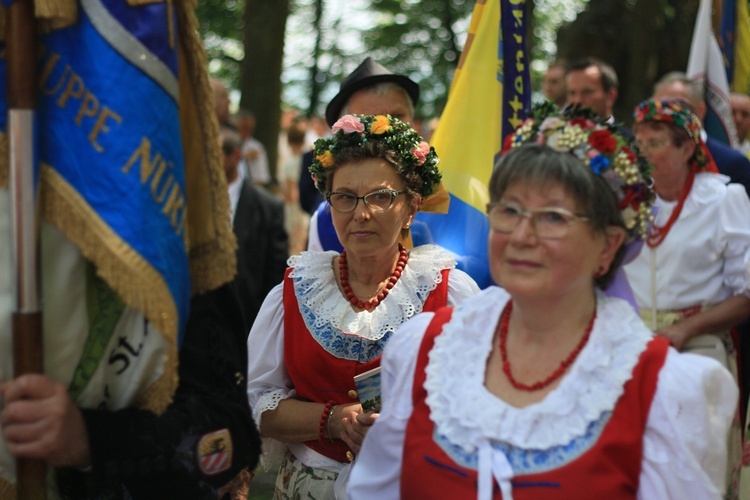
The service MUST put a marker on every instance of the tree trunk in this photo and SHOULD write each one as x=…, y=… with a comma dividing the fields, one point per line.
x=316, y=81
x=642, y=67
x=260, y=74
x=643, y=40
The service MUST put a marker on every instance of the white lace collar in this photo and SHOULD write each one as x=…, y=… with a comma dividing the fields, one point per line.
x=468, y=415
x=318, y=294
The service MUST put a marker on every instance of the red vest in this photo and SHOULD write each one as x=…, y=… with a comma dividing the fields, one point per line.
x=609, y=469
x=320, y=376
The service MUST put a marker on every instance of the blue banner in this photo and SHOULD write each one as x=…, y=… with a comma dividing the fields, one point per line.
x=727, y=35
x=109, y=136
x=515, y=75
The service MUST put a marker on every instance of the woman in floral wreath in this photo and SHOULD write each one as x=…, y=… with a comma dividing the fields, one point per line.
x=333, y=314
x=689, y=280
x=547, y=387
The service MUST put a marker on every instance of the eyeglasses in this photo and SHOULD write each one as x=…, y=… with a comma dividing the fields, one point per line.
x=377, y=201
x=548, y=223
x=652, y=145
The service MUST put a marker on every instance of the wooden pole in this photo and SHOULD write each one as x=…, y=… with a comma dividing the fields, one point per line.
x=717, y=8
x=27, y=318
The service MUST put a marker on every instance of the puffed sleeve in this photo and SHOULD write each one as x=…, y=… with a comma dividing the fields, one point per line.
x=268, y=382
x=267, y=379
x=460, y=286
x=685, y=443
x=377, y=470
x=735, y=233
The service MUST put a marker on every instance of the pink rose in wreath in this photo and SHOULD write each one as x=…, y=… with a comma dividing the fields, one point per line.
x=349, y=124
x=421, y=152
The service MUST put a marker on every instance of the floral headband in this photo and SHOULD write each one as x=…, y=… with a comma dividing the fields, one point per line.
x=355, y=130
x=682, y=117
x=599, y=147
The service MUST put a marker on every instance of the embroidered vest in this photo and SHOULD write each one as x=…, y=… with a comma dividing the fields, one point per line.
x=609, y=469
x=320, y=376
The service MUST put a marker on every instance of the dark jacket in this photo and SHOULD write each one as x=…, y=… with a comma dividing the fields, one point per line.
x=730, y=162
x=262, y=248
x=309, y=196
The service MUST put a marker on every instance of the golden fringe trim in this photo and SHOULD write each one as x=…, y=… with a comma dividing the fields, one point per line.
x=4, y=176
x=212, y=251
x=55, y=14
x=213, y=259
x=138, y=284
x=158, y=396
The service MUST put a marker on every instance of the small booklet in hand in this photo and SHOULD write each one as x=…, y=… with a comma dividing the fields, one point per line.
x=368, y=387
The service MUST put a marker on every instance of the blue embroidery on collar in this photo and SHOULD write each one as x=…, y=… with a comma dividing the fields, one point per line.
x=343, y=345
x=526, y=462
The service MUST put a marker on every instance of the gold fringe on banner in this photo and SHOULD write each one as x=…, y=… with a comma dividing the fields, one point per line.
x=55, y=14
x=212, y=244
x=137, y=283
x=213, y=259
x=212, y=247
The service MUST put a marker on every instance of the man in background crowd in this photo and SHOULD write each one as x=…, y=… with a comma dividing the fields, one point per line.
x=553, y=83
x=254, y=160
x=258, y=223
x=741, y=113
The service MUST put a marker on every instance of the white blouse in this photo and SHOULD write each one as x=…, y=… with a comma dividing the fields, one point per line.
x=684, y=445
x=704, y=259
x=327, y=314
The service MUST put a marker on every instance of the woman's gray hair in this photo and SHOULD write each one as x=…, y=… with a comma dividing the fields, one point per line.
x=542, y=166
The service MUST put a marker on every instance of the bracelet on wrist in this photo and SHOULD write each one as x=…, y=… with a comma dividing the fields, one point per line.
x=324, y=418
x=328, y=423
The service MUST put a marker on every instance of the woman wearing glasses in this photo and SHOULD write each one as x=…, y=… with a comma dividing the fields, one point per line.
x=333, y=314
x=547, y=388
x=690, y=278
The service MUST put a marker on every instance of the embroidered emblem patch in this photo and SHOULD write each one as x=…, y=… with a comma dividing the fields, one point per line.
x=215, y=452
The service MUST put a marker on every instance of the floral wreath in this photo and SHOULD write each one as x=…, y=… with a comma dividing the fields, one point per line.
x=680, y=115
x=599, y=147
x=355, y=130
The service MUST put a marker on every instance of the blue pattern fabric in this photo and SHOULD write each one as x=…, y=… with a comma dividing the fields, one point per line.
x=530, y=461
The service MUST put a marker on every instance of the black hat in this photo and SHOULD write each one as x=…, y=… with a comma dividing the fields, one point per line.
x=368, y=73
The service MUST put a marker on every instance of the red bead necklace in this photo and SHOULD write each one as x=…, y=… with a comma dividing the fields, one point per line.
x=382, y=294
x=504, y=321
x=657, y=233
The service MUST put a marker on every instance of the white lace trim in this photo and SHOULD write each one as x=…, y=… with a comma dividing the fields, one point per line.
x=466, y=413
x=318, y=293
x=269, y=401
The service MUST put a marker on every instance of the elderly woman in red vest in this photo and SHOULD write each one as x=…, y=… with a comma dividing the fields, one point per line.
x=332, y=316
x=547, y=388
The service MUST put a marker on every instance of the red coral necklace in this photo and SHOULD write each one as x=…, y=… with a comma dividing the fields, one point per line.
x=536, y=386
x=373, y=302
x=657, y=233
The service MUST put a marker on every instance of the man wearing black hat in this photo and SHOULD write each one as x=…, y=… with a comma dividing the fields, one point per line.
x=371, y=89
